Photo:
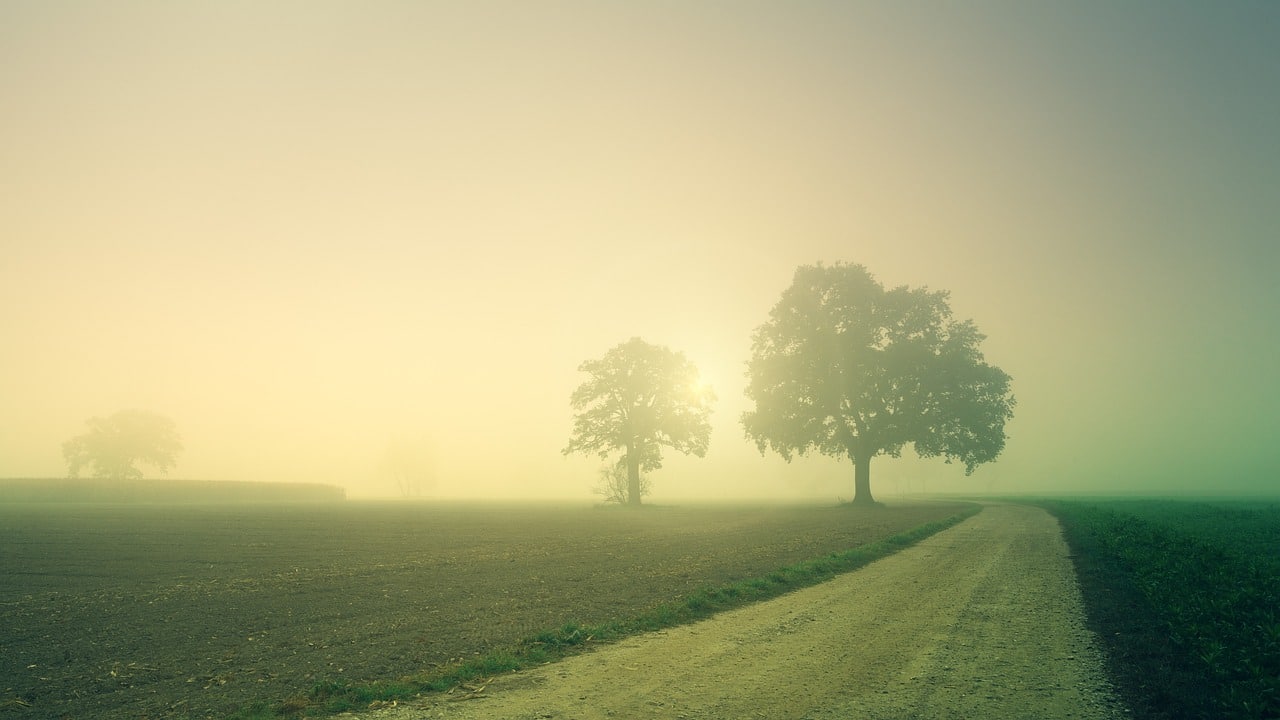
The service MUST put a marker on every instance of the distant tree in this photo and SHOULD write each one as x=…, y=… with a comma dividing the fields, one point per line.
x=640, y=398
x=115, y=444
x=409, y=466
x=849, y=369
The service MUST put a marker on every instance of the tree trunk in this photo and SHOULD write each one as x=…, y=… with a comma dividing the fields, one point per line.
x=633, y=476
x=862, y=480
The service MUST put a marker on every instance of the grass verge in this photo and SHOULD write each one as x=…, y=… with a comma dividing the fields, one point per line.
x=1190, y=619
x=331, y=697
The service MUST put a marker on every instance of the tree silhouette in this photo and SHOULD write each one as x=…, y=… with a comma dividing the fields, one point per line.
x=410, y=465
x=640, y=398
x=849, y=369
x=114, y=444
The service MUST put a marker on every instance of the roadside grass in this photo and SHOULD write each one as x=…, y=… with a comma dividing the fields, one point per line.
x=335, y=696
x=1186, y=598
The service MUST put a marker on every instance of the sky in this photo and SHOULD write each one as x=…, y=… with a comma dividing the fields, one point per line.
x=304, y=230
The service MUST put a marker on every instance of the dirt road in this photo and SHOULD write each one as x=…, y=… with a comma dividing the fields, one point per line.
x=983, y=620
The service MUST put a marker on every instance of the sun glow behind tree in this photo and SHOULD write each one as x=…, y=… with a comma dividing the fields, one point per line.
x=302, y=230
x=640, y=398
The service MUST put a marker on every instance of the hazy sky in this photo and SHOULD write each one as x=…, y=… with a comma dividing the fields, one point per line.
x=301, y=229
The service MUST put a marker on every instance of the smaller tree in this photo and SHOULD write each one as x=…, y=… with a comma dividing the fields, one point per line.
x=640, y=398
x=115, y=444
x=409, y=465
x=613, y=483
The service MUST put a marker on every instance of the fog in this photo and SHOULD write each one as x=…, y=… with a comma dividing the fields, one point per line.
x=307, y=231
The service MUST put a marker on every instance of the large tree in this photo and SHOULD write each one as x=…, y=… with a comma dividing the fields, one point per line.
x=850, y=369
x=640, y=398
x=115, y=444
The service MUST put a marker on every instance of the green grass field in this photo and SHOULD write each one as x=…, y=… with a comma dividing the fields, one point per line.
x=1186, y=598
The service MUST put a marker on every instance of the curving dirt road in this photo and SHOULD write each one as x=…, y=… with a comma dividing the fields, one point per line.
x=983, y=620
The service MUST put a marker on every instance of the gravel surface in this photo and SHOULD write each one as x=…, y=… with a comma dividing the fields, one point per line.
x=983, y=620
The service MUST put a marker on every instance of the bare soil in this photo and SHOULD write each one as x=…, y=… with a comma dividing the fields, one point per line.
x=115, y=612
x=983, y=620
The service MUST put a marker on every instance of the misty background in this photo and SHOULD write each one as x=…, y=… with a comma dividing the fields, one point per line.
x=306, y=231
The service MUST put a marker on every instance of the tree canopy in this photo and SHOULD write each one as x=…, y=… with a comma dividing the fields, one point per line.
x=113, y=445
x=847, y=368
x=640, y=398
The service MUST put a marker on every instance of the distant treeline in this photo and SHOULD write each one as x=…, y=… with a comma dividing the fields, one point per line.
x=66, y=490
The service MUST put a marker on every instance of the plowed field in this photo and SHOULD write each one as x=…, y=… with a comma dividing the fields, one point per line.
x=154, y=612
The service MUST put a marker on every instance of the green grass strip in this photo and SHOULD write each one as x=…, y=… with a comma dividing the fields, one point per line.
x=1192, y=629
x=333, y=696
